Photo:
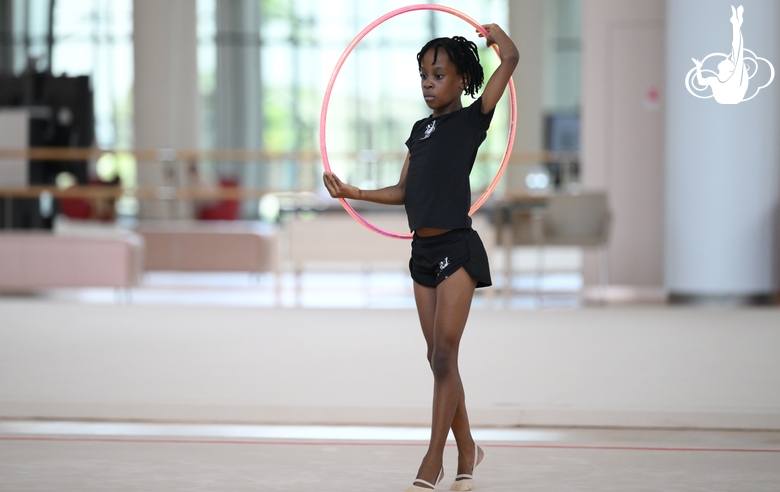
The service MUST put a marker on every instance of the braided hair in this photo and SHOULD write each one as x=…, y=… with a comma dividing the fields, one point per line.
x=464, y=55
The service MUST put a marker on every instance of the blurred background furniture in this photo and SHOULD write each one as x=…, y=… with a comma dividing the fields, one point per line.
x=556, y=220
x=210, y=247
x=59, y=112
x=222, y=209
x=32, y=261
x=517, y=224
x=336, y=242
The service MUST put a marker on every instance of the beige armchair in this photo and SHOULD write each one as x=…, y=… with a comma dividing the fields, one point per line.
x=566, y=220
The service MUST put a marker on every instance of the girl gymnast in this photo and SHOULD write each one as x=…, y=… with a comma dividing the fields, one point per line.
x=448, y=259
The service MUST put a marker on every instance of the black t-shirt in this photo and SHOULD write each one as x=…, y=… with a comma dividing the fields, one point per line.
x=443, y=150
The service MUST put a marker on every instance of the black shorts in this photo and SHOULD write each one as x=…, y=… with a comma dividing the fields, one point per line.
x=435, y=258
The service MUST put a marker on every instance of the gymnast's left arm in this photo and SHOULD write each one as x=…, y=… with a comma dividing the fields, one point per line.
x=509, y=58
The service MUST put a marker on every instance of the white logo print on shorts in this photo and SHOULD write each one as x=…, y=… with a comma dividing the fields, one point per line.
x=444, y=263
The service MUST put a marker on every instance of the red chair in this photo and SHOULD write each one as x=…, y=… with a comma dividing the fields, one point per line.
x=95, y=209
x=224, y=209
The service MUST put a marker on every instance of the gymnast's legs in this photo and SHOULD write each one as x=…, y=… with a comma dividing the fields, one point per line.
x=443, y=312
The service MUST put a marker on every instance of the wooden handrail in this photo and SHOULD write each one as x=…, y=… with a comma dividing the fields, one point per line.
x=189, y=155
x=145, y=193
x=184, y=155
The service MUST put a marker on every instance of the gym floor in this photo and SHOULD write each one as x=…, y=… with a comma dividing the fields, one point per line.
x=87, y=353
x=131, y=456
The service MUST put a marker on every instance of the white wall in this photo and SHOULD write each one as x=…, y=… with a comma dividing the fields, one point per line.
x=606, y=367
x=527, y=29
x=622, y=136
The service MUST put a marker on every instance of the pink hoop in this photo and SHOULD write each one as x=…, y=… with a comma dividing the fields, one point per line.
x=326, y=101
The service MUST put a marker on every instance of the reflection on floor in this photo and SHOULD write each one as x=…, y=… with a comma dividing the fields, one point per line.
x=130, y=456
x=323, y=290
x=309, y=432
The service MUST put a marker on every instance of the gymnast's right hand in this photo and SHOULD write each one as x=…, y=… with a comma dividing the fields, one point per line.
x=339, y=189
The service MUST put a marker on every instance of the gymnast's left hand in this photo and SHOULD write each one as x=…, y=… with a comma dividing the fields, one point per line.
x=339, y=189
x=494, y=32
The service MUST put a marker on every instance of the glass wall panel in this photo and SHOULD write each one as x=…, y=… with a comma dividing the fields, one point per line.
x=95, y=38
x=376, y=98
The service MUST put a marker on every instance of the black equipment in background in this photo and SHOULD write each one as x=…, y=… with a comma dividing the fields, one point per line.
x=61, y=115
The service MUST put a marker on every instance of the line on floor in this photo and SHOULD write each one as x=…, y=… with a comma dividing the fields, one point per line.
x=342, y=443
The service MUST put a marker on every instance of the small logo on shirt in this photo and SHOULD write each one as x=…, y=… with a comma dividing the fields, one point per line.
x=444, y=263
x=429, y=129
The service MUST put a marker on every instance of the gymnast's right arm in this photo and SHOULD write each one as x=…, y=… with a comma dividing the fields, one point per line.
x=391, y=195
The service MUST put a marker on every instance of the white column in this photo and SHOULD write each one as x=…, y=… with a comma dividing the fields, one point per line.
x=238, y=101
x=14, y=134
x=722, y=161
x=165, y=93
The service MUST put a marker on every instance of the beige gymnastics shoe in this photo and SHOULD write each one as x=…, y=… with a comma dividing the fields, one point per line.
x=430, y=486
x=464, y=481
